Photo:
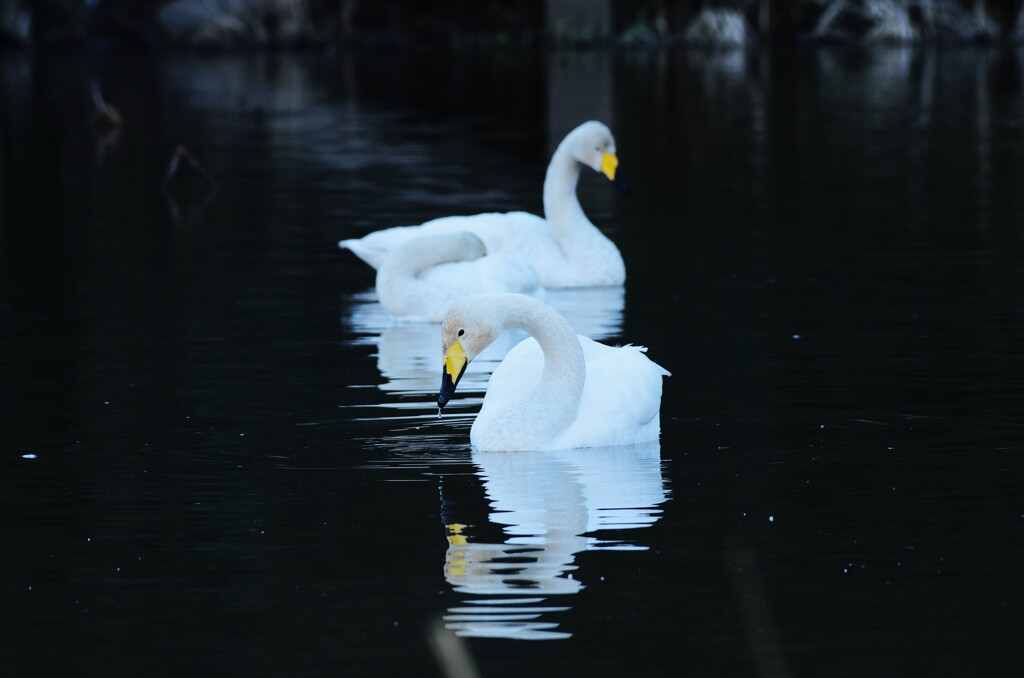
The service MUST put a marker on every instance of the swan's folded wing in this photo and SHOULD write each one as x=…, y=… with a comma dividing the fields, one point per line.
x=621, y=399
x=621, y=396
x=496, y=229
x=492, y=273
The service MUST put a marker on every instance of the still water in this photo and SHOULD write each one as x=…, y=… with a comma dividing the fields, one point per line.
x=218, y=456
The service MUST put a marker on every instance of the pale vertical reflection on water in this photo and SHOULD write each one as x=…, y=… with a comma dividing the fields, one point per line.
x=551, y=506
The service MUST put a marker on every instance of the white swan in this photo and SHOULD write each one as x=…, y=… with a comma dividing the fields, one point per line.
x=423, y=277
x=555, y=390
x=566, y=249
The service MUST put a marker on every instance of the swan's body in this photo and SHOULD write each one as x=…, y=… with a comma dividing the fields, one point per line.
x=422, y=278
x=565, y=249
x=555, y=390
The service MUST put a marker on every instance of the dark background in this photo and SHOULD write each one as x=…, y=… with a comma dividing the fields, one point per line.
x=824, y=247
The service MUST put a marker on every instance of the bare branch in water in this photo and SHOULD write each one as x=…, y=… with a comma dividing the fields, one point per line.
x=103, y=114
x=104, y=122
x=451, y=652
x=172, y=168
x=181, y=153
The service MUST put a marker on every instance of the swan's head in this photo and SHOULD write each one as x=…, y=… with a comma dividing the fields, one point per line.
x=469, y=327
x=594, y=146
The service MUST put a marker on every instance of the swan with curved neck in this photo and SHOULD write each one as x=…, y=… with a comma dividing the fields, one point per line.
x=555, y=390
x=583, y=245
x=423, y=277
x=565, y=249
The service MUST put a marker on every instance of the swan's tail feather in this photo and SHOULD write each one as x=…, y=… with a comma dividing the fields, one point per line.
x=373, y=257
x=643, y=349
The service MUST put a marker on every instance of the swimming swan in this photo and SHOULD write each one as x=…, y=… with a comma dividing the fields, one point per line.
x=566, y=249
x=423, y=277
x=555, y=390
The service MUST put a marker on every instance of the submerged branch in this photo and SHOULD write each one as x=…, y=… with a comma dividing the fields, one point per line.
x=181, y=153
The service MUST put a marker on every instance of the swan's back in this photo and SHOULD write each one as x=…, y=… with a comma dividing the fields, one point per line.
x=423, y=277
x=519, y=233
x=490, y=274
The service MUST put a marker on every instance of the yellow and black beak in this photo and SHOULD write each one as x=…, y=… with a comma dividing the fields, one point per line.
x=455, y=363
x=610, y=168
x=609, y=163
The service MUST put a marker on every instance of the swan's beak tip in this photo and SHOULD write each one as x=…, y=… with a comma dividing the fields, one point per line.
x=446, y=392
x=455, y=363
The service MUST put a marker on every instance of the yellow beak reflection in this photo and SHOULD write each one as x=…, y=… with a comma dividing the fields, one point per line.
x=609, y=163
x=455, y=363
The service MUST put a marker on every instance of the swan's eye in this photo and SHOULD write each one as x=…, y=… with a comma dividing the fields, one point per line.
x=461, y=332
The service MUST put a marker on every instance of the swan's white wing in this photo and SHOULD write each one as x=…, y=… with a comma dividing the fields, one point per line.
x=515, y=232
x=596, y=261
x=621, y=398
x=429, y=296
x=450, y=282
x=492, y=273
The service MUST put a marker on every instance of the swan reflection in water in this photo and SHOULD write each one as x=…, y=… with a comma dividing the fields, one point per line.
x=409, y=353
x=550, y=506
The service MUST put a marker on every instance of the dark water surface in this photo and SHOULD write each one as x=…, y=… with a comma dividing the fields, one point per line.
x=218, y=457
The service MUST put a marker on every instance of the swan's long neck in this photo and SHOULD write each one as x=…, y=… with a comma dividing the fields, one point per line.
x=583, y=245
x=409, y=262
x=556, y=399
x=399, y=288
x=561, y=206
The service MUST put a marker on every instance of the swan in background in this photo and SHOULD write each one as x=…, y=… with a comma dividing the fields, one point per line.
x=565, y=249
x=406, y=352
x=550, y=506
x=555, y=390
x=420, y=279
